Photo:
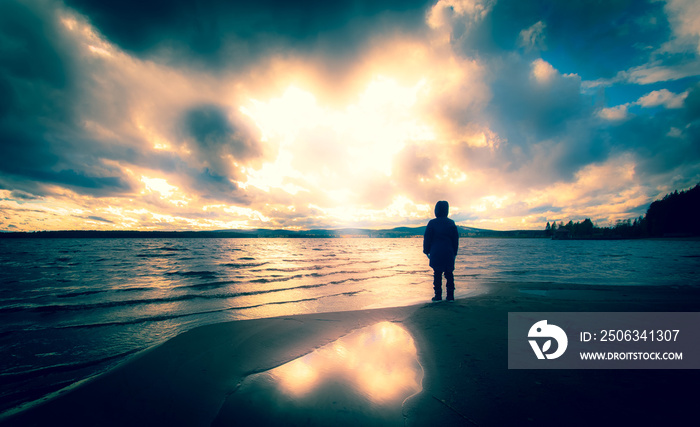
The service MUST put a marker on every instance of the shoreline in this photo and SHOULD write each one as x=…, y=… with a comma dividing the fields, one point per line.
x=461, y=346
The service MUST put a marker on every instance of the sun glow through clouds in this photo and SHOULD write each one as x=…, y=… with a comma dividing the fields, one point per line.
x=366, y=135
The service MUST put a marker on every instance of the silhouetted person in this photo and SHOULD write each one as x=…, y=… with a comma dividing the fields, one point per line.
x=440, y=243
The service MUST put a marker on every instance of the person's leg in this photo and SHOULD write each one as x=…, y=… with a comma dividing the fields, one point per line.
x=437, y=285
x=450, y=285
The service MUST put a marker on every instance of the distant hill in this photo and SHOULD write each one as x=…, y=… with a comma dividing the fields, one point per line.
x=392, y=232
x=268, y=233
x=121, y=234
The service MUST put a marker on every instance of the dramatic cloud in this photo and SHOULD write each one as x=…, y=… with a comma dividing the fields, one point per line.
x=218, y=114
x=533, y=37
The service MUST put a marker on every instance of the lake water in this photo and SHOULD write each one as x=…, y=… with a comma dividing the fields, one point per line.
x=72, y=307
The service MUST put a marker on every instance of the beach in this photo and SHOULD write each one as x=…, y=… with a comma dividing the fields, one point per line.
x=195, y=378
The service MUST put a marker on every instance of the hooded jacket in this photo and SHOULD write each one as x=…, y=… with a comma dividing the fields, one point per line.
x=441, y=239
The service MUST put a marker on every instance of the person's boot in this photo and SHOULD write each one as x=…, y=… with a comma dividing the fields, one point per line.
x=437, y=285
x=450, y=286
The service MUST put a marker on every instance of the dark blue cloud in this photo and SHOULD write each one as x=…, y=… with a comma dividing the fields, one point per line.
x=99, y=218
x=22, y=195
x=23, y=148
x=36, y=73
x=546, y=126
x=31, y=47
x=657, y=149
x=79, y=179
x=28, y=159
x=38, y=79
x=210, y=185
x=219, y=138
x=216, y=32
x=31, y=156
x=692, y=104
x=544, y=209
x=534, y=110
x=213, y=132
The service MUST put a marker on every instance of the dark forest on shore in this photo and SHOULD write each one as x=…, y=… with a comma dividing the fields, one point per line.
x=677, y=214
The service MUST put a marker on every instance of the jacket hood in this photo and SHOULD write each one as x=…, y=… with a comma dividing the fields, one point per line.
x=442, y=208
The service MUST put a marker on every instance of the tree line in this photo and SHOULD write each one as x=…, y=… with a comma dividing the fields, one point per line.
x=677, y=214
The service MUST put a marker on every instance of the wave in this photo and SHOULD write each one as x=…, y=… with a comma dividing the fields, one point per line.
x=349, y=293
x=54, y=308
x=516, y=272
x=470, y=276
x=207, y=285
x=156, y=255
x=361, y=279
x=201, y=274
x=172, y=249
x=62, y=367
x=137, y=289
x=280, y=278
x=79, y=294
x=243, y=265
x=316, y=266
x=166, y=317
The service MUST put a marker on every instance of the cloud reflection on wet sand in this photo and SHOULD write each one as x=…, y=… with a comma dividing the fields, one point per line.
x=362, y=378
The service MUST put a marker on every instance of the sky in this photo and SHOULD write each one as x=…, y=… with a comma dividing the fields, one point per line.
x=219, y=114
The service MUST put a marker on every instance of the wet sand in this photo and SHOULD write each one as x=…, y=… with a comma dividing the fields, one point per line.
x=199, y=378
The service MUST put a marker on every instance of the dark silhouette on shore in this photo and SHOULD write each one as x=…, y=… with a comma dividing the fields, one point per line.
x=440, y=244
x=676, y=215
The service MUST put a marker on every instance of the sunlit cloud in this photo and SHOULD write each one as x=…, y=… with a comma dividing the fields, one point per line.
x=663, y=97
x=542, y=71
x=684, y=16
x=656, y=72
x=618, y=112
x=445, y=12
